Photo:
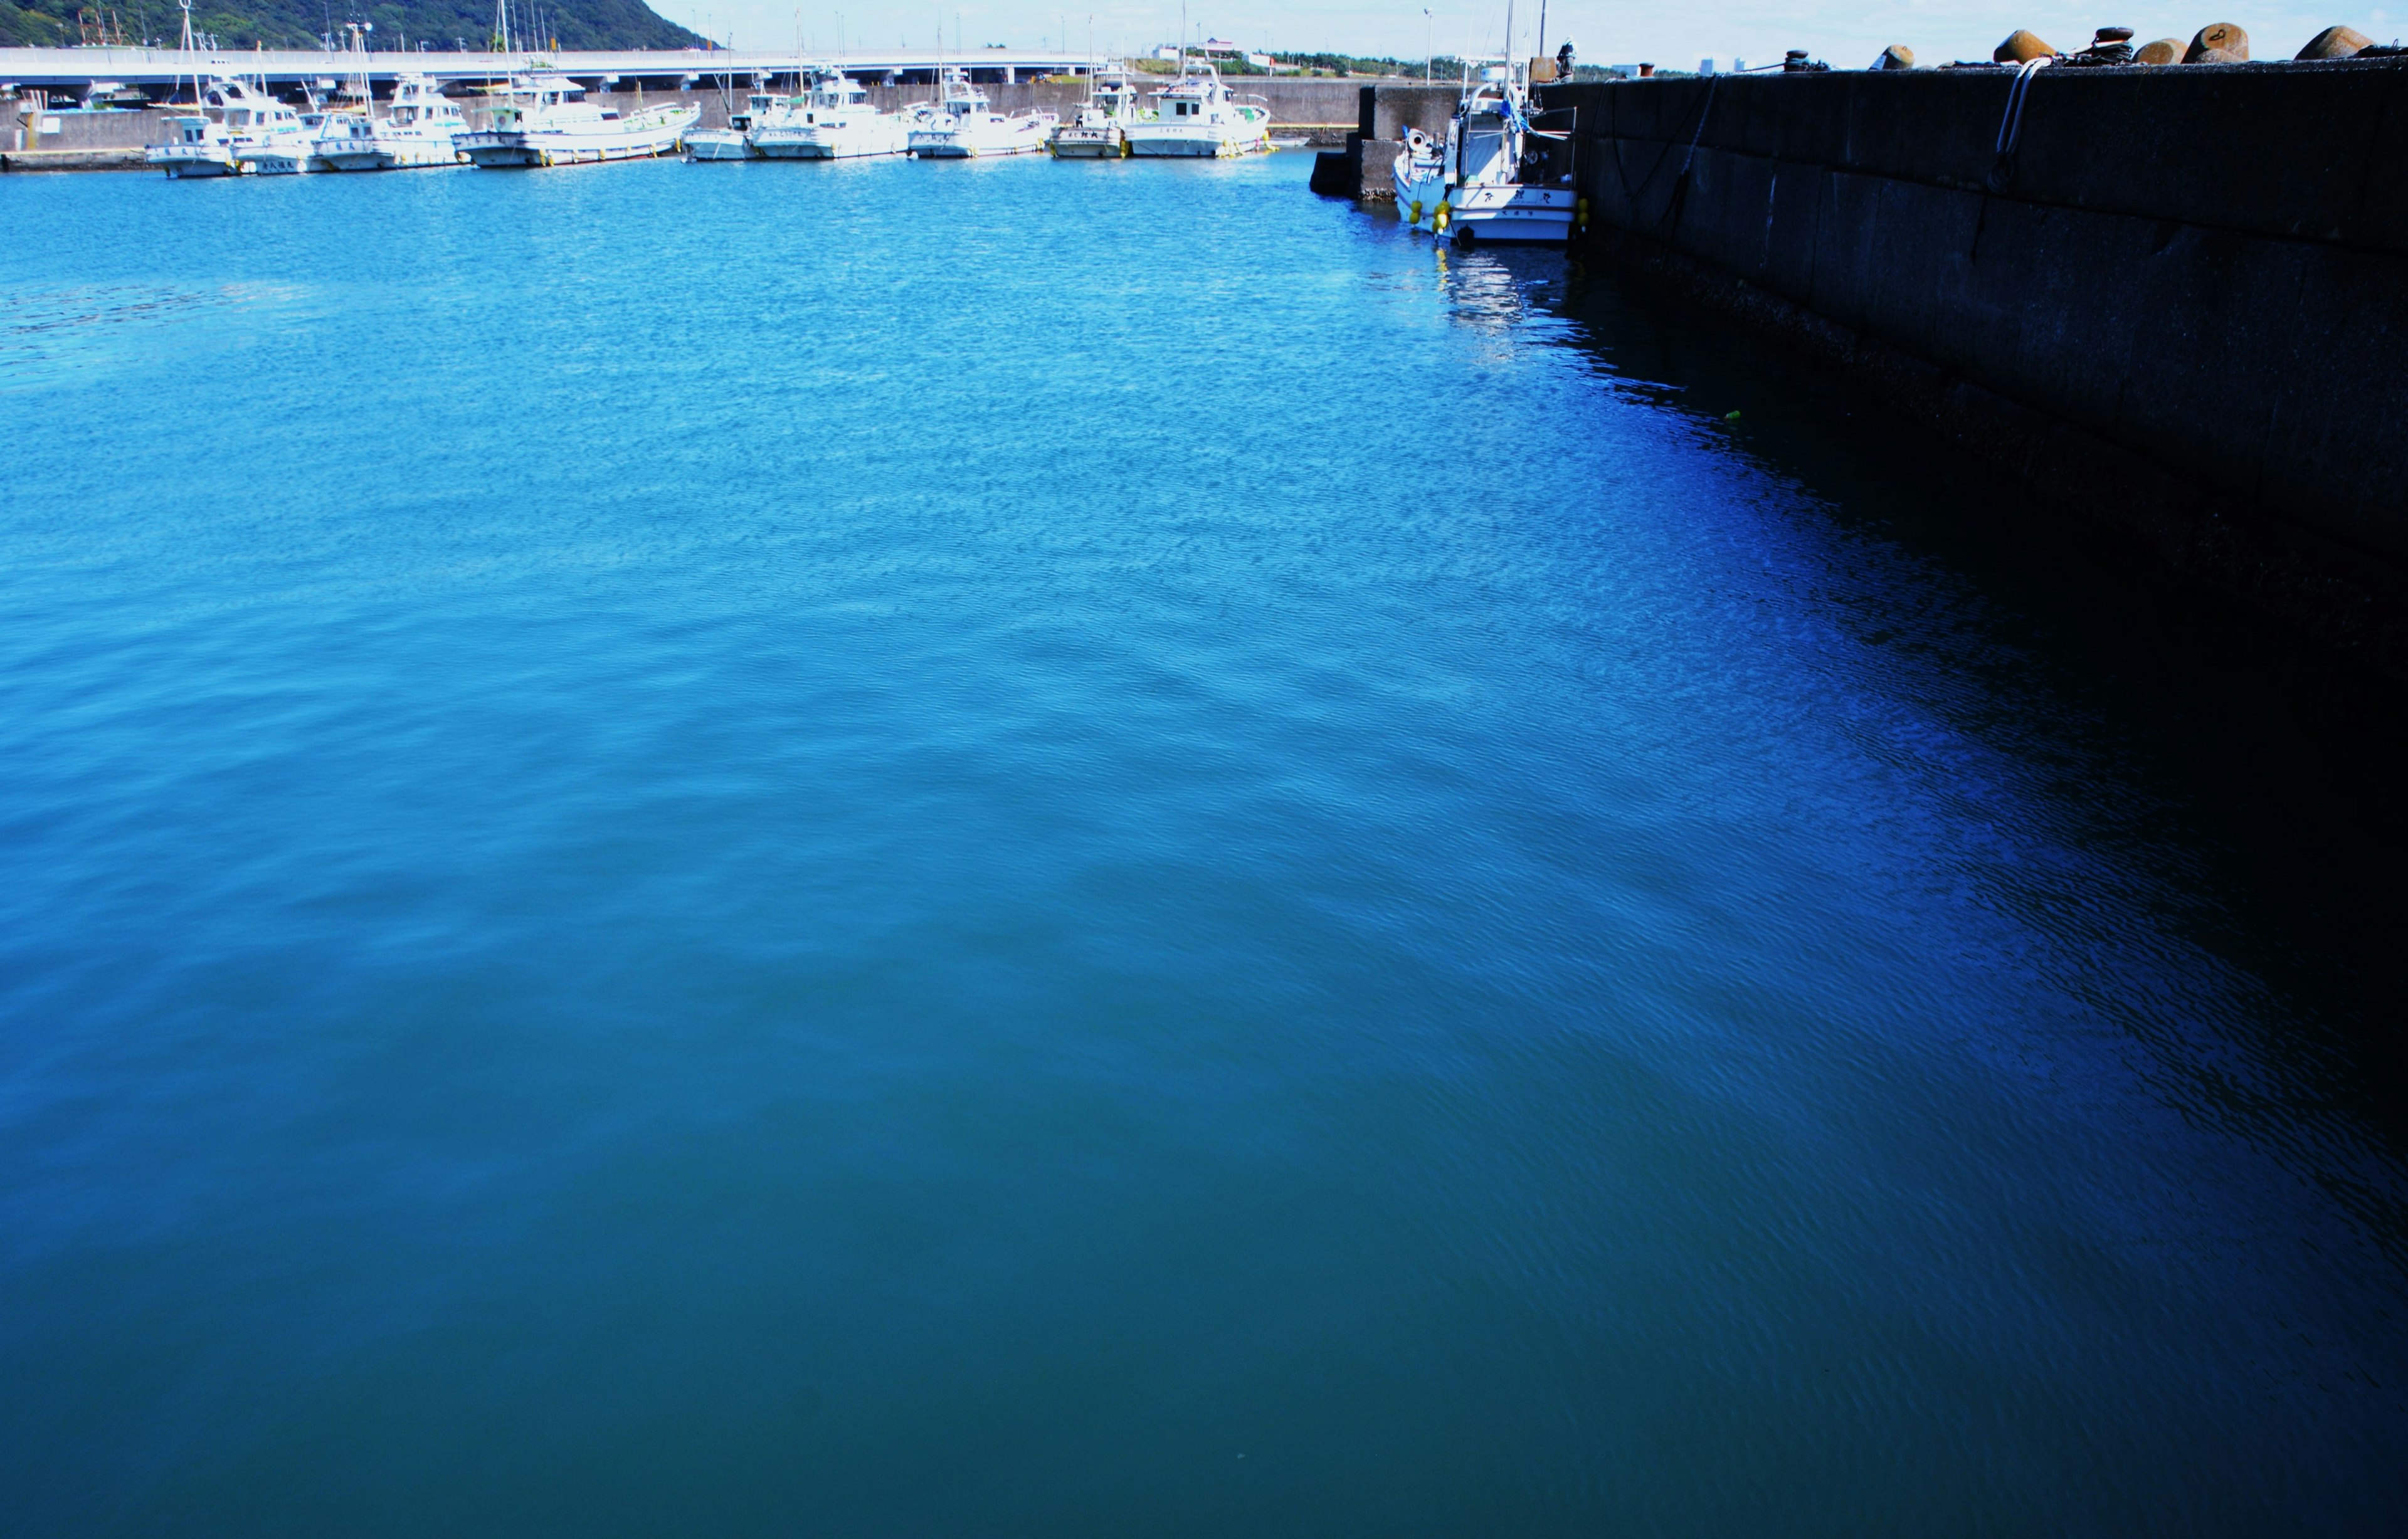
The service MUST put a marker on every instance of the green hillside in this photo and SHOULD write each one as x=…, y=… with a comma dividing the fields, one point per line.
x=299, y=24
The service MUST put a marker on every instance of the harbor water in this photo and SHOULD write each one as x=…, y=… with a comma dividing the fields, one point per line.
x=1012, y=847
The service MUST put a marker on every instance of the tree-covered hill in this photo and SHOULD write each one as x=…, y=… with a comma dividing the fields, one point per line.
x=299, y=24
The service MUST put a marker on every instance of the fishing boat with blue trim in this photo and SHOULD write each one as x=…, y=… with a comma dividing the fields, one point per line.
x=1472, y=184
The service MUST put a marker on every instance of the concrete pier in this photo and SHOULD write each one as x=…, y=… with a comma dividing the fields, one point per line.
x=2173, y=299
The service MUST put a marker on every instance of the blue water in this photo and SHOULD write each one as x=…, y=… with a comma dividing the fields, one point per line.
x=1027, y=848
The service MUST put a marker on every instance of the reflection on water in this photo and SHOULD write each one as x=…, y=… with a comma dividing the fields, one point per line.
x=49, y=334
x=2174, y=791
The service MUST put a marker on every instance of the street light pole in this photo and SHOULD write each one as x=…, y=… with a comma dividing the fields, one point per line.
x=1429, y=44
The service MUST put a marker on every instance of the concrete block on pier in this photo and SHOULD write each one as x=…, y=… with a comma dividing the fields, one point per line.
x=1363, y=169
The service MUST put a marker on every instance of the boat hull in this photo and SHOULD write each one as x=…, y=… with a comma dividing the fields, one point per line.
x=191, y=166
x=1421, y=187
x=510, y=152
x=502, y=149
x=378, y=156
x=718, y=144
x=1157, y=144
x=1523, y=216
x=1502, y=212
x=957, y=149
x=279, y=163
x=1076, y=144
x=1026, y=135
x=817, y=149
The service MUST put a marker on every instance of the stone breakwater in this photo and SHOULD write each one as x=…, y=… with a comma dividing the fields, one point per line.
x=2173, y=299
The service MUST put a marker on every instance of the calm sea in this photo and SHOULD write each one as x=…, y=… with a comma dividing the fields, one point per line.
x=1013, y=848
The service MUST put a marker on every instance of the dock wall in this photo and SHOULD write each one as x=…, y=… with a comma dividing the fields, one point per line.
x=1382, y=115
x=2178, y=305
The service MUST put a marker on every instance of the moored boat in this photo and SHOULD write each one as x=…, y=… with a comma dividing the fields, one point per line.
x=1197, y=115
x=833, y=120
x=545, y=119
x=963, y=125
x=233, y=128
x=1472, y=184
x=420, y=128
x=1099, y=129
x=730, y=143
x=198, y=146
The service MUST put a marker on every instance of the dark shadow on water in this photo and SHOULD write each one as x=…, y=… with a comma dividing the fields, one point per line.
x=2208, y=744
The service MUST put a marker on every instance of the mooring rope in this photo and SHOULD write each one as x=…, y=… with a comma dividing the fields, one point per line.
x=2010, y=126
x=1631, y=197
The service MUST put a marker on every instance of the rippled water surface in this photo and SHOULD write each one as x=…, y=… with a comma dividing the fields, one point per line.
x=1029, y=849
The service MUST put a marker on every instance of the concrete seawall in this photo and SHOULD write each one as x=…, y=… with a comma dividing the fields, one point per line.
x=2177, y=305
x=1383, y=113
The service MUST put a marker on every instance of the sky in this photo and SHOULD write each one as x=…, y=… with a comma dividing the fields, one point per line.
x=1849, y=34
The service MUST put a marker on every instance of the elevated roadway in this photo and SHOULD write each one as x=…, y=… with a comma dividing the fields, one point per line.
x=89, y=74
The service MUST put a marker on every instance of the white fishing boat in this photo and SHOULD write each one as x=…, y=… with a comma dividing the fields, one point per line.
x=1099, y=129
x=963, y=125
x=286, y=148
x=1472, y=184
x=226, y=117
x=730, y=143
x=198, y=144
x=545, y=119
x=232, y=127
x=834, y=121
x=1197, y=115
x=420, y=128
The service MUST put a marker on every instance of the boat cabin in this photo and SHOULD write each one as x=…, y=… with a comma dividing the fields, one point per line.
x=237, y=105
x=833, y=91
x=962, y=99
x=416, y=100
x=1198, y=97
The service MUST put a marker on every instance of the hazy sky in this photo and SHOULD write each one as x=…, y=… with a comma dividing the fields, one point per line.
x=1607, y=31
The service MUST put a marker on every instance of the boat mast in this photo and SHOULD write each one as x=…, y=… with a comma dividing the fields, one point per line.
x=185, y=47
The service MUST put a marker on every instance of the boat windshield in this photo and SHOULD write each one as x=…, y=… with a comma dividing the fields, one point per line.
x=1481, y=144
